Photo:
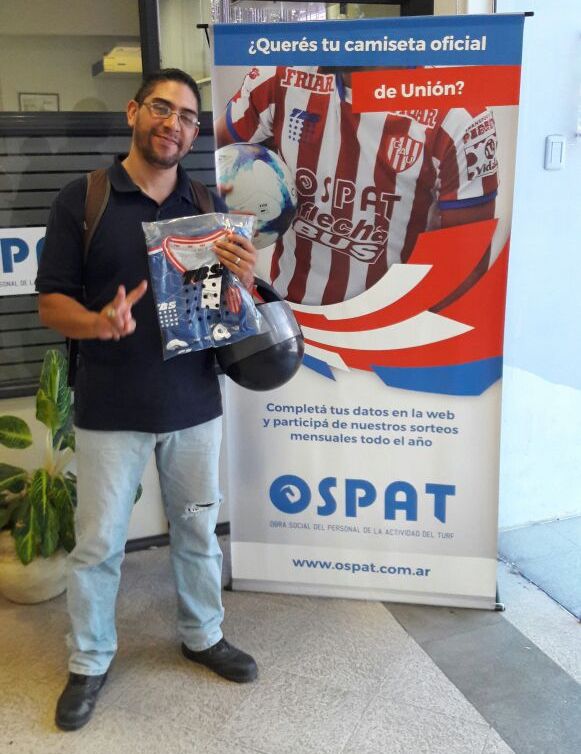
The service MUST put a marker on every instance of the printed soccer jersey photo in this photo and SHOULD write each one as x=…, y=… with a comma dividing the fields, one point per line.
x=367, y=183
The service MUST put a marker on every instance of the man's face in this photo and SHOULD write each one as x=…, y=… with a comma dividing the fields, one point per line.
x=162, y=142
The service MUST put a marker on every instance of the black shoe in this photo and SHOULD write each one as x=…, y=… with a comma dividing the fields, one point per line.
x=77, y=702
x=225, y=660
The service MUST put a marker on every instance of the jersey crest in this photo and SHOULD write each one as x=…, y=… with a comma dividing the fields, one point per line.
x=403, y=152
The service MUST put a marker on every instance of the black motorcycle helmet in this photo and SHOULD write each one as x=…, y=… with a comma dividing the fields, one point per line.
x=270, y=358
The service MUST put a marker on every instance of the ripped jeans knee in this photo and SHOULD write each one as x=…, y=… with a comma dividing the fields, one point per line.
x=194, y=509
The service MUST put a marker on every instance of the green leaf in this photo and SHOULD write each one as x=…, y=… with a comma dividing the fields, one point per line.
x=12, y=479
x=47, y=411
x=38, y=495
x=138, y=494
x=50, y=535
x=27, y=534
x=14, y=432
x=53, y=390
x=64, y=495
x=66, y=437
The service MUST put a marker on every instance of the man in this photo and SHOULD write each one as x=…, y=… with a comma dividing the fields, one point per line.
x=367, y=183
x=129, y=402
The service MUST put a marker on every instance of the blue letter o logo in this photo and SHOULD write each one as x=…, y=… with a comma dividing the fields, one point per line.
x=290, y=494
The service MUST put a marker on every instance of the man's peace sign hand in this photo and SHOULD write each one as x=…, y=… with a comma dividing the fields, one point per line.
x=115, y=320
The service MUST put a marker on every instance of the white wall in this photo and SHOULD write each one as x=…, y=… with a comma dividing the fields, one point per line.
x=460, y=7
x=62, y=64
x=61, y=17
x=541, y=440
x=51, y=45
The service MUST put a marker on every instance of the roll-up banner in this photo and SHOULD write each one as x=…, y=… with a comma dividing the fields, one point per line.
x=374, y=472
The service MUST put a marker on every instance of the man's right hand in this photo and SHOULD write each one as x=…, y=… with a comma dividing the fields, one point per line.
x=115, y=320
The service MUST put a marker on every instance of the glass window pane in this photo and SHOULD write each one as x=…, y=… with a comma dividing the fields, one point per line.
x=71, y=56
x=184, y=46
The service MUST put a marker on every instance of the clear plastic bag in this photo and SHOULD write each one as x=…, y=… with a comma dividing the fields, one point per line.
x=200, y=303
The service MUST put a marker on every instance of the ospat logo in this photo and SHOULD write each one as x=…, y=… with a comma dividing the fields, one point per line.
x=291, y=494
x=16, y=249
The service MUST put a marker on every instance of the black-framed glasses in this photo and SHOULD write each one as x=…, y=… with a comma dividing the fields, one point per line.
x=163, y=111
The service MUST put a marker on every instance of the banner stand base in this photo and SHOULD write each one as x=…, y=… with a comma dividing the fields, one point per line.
x=499, y=606
x=334, y=592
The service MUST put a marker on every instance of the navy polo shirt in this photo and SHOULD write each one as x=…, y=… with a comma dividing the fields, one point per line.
x=125, y=384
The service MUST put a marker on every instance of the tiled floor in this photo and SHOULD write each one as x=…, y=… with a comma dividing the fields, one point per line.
x=336, y=676
x=549, y=555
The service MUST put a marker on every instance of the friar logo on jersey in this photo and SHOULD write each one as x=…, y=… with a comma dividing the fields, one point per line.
x=425, y=117
x=403, y=152
x=312, y=82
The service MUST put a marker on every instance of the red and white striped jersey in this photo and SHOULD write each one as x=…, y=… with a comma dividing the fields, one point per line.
x=367, y=183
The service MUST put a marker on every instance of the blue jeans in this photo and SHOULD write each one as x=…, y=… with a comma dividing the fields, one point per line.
x=109, y=468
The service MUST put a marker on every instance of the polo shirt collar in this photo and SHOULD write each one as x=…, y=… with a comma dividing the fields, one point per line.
x=121, y=181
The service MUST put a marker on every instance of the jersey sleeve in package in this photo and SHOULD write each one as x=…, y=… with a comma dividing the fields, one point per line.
x=200, y=303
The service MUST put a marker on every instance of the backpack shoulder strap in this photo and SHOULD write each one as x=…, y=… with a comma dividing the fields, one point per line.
x=96, y=199
x=202, y=197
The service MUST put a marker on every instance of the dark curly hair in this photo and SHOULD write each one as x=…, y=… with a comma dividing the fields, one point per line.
x=166, y=74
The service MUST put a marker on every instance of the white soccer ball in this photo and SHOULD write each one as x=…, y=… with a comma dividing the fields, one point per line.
x=262, y=184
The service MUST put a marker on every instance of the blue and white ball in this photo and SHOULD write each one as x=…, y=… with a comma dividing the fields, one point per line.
x=262, y=184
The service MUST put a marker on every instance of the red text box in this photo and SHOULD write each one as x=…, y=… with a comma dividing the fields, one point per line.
x=404, y=89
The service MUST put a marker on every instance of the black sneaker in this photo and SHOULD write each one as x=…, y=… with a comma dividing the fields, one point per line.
x=225, y=660
x=77, y=702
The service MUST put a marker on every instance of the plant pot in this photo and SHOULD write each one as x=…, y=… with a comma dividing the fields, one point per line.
x=42, y=579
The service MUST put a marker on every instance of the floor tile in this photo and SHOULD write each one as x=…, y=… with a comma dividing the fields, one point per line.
x=495, y=745
x=552, y=628
x=336, y=676
x=296, y=715
x=413, y=678
x=348, y=643
x=429, y=623
x=391, y=728
x=531, y=702
x=116, y=731
x=155, y=681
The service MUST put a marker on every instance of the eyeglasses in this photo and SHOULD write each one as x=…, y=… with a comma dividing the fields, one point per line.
x=163, y=111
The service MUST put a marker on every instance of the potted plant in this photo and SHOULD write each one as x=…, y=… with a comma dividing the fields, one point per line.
x=37, y=507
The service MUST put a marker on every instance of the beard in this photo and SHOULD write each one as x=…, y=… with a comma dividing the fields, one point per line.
x=152, y=155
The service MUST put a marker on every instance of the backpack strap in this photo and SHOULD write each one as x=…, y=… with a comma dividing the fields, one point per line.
x=96, y=200
x=202, y=197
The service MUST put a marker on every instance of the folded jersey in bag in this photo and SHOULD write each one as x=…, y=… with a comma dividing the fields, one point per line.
x=200, y=303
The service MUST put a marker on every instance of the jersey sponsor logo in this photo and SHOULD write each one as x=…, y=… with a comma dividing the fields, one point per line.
x=482, y=125
x=313, y=82
x=342, y=194
x=481, y=158
x=362, y=239
x=403, y=152
x=424, y=117
x=302, y=125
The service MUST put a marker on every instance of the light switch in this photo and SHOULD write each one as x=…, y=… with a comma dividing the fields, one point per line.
x=555, y=147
